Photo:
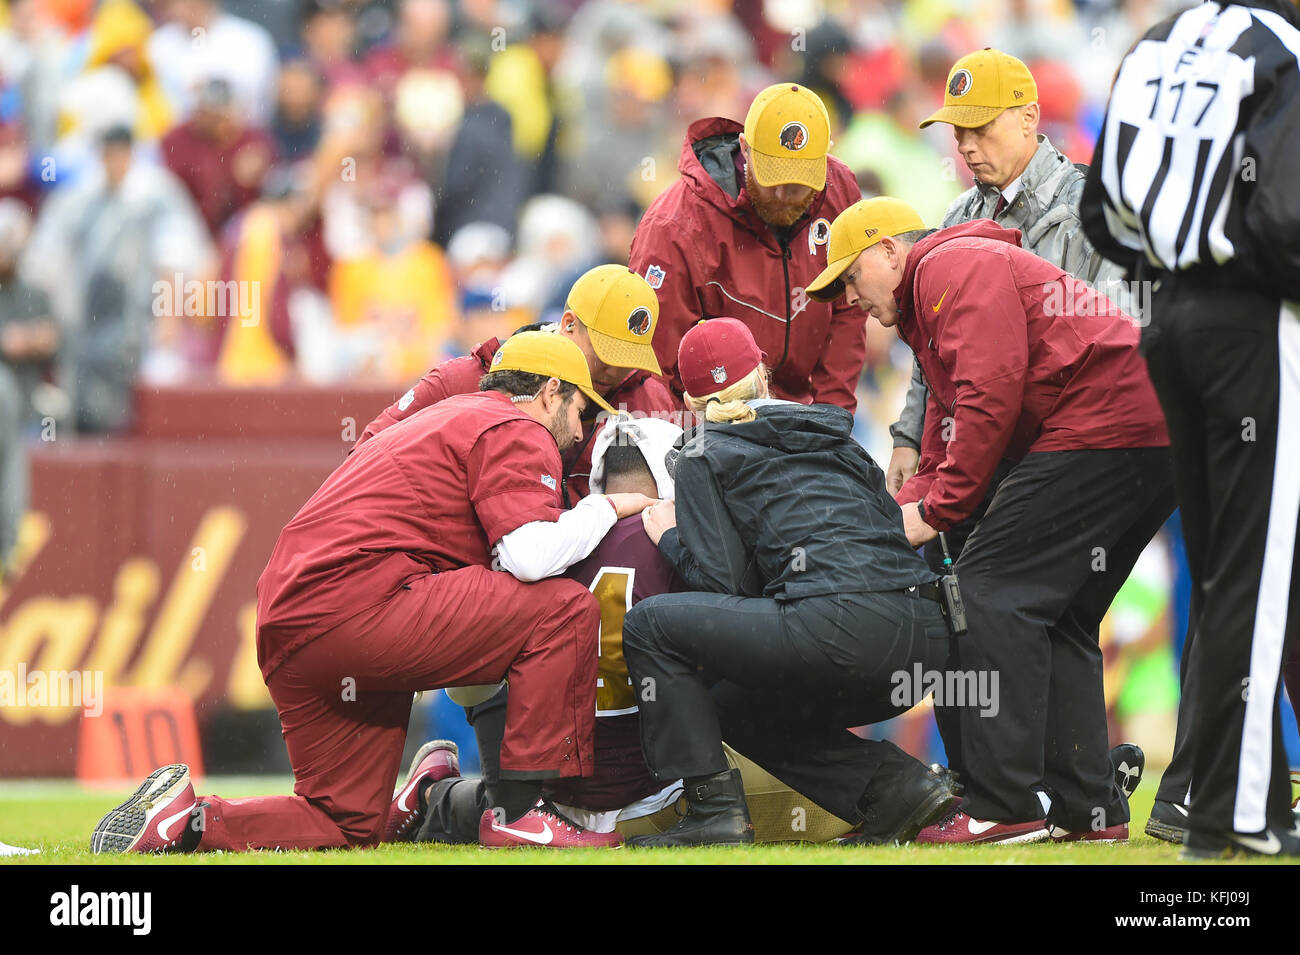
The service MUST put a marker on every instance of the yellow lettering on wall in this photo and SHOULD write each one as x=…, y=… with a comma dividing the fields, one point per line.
x=246, y=689
x=134, y=589
x=56, y=628
x=187, y=601
x=33, y=533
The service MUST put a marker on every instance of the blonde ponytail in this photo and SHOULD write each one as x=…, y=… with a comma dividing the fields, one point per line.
x=728, y=405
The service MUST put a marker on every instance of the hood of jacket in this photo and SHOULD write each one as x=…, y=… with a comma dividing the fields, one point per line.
x=484, y=351
x=712, y=170
x=977, y=228
x=793, y=428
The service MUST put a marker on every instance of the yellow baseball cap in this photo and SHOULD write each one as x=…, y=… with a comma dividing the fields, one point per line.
x=859, y=227
x=981, y=85
x=620, y=311
x=789, y=134
x=544, y=353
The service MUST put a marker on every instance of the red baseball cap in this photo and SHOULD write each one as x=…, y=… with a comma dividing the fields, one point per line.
x=715, y=354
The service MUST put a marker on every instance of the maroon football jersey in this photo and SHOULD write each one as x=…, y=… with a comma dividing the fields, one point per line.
x=623, y=569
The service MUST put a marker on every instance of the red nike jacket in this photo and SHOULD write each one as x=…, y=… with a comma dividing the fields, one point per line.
x=1020, y=357
x=708, y=255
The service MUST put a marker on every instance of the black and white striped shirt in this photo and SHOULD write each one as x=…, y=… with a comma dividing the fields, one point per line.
x=1198, y=162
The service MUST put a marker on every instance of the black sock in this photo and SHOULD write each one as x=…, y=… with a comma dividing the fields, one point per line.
x=422, y=794
x=513, y=797
x=194, y=829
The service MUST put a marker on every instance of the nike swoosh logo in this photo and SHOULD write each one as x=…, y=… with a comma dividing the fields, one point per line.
x=541, y=838
x=979, y=828
x=165, y=824
x=406, y=794
x=1269, y=847
x=936, y=305
x=1181, y=809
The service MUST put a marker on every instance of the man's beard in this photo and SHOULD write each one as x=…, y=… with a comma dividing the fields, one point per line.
x=559, y=427
x=779, y=214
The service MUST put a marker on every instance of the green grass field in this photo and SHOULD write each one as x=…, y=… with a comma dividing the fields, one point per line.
x=57, y=818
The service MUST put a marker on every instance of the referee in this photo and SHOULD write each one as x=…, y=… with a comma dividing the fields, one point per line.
x=1193, y=188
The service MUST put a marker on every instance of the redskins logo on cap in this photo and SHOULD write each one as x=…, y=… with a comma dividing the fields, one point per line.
x=959, y=83
x=794, y=136
x=638, y=323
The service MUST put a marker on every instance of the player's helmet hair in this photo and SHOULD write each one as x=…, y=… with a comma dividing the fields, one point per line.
x=522, y=384
x=625, y=460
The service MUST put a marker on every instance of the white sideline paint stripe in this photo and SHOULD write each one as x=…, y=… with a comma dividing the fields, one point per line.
x=1255, y=766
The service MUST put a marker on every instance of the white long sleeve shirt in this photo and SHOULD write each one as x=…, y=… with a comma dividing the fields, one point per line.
x=541, y=549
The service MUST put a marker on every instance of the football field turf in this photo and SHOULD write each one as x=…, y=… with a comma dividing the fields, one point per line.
x=57, y=817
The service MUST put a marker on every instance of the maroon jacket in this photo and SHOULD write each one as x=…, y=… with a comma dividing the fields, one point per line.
x=212, y=172
x=639, y=393
x=432, y=494
x=1020, y=357
x=709, y=255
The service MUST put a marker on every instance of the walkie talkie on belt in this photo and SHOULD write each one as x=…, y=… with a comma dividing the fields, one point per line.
x=950, y=604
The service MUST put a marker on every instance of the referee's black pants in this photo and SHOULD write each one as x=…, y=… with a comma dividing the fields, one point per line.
x=1225, y=362
x=780, y=681
x=1037, y=575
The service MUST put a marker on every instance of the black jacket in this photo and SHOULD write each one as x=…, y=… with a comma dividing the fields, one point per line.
x=787, y=506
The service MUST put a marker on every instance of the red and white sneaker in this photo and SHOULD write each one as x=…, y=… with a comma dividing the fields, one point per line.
x=435, y=760
x=543, y=826
x=154, y=819
x=961, y=828
x=1117, y=833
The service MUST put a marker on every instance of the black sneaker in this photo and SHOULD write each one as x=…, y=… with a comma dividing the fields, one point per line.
x=1200, y=846
x=1127, y=762
x=1168, y=821
x=895, y=809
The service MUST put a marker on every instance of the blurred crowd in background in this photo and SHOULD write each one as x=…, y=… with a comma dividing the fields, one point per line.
x=258, y=192
x=391, y=181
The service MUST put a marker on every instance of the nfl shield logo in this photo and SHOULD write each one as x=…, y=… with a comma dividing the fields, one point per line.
x=548, y=481
x=719, y=374
x=654, y=276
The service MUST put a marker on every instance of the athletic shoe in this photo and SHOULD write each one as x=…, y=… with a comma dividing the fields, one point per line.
x=542, y=826
x=1199, y=846
x=155, y=818
x=436, y=759
x=961, y=828
x=1127, y=762
x=1168, y=821
x=1117, y=833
